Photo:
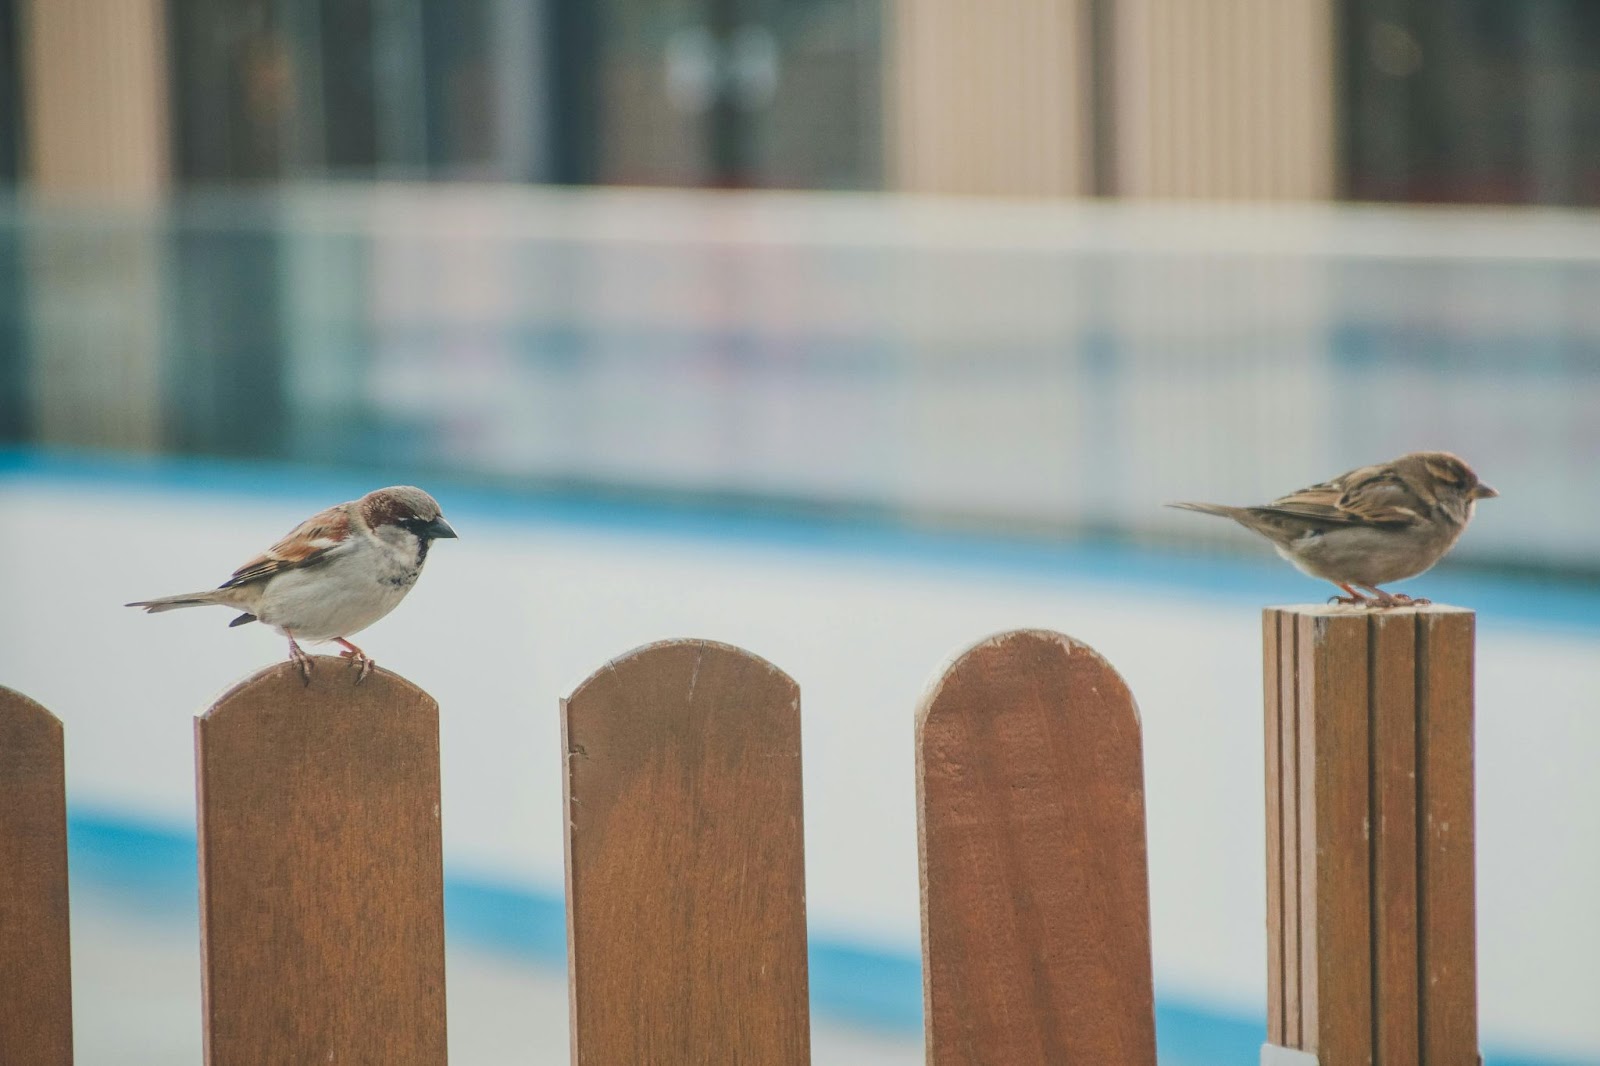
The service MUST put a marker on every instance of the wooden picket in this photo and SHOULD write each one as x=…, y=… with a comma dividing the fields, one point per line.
x=1036, y=909
x=686, y=918
x=35, y=963
x=1371, y=945
x=321, y=878
x=321, y=883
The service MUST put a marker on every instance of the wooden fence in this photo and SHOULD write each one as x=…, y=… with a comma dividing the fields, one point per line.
x=321, y=881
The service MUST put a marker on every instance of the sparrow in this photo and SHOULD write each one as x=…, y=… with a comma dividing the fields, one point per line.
x=1369, y=526
x=334, y=575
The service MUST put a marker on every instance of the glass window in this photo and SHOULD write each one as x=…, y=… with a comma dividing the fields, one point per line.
x=740, y=93
x=1472, y=101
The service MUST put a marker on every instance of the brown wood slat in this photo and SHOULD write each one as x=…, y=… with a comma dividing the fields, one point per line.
x=1392, y=686
x=685, y=862
x=1280, y=638
x=1448, y=949
x=1273, y=700
x=1335, y=948
x=35, y=957
x=1289, y=808
x=1036, y=935
x=321, y=882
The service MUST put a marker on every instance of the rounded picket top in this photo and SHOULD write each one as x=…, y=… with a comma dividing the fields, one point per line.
x=31, y=741
x=331, y=687
x=1031, y=831
x=1023, y=652
x=683, y=691
x=664, y=654
x=16, y=707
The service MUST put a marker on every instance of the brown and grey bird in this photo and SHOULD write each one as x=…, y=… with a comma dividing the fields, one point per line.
x=1370, y=526
x=334, y=575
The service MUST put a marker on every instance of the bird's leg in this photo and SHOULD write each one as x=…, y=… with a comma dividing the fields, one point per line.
x=1354, y=599
x=1395, y=599
x=357, y=657
x=298, y=656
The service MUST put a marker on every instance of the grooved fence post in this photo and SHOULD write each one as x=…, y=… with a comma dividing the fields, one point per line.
x=1371, y=932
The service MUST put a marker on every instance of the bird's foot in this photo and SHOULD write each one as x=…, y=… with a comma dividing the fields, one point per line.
x=1354, y=599
x=298, y=656
x=357, y=658
x=1394, y=599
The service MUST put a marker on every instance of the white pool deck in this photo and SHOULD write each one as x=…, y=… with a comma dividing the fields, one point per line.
x=513, y=615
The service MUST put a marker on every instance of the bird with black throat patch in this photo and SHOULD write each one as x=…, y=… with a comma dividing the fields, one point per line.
x=1369, y=526
x=334, y=575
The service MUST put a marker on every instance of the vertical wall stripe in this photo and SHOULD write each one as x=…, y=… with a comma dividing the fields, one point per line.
x=989, y=99
x=1225, y=99
x=95, y=89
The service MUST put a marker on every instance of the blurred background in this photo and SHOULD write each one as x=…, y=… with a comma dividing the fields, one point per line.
x=848, y=331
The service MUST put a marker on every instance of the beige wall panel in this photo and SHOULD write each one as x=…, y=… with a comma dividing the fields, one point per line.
x=96, y=95
x=988, y=98
x=1224, y=98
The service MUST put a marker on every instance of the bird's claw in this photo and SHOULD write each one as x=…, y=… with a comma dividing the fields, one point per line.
x=1400, y=599
x=1379, y=600
x=300, y=659
x=361, y=660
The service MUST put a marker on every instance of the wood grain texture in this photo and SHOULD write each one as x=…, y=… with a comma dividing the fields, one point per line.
x=321, y=885
x=1335, y=911
x=1446, y=884
x=1392, y=683
x=685, y=862
x=1036, y=935
x=35, y=969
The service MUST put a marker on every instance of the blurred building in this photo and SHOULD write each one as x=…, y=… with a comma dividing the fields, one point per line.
x=1402, y=100
x=388, y=275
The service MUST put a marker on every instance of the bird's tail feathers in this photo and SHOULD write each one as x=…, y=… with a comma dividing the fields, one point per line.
x=1218, y=509
x=188, y=599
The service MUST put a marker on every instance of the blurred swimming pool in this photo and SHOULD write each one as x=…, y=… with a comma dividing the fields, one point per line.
x=1059, y=367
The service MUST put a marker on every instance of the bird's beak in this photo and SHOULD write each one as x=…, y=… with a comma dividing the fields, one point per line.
x=1483, y=492
x=439, y=529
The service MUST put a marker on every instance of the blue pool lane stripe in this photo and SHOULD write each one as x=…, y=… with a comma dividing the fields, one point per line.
x=1548, y=604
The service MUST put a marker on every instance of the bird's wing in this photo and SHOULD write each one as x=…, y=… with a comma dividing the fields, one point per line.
x=1383, y=498
x=1370, y=496
x=310, y=542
